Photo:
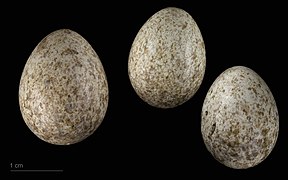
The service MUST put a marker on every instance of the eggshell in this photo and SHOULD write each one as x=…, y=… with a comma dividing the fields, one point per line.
x=240, y=121
x=167, y=59
x=63, y=91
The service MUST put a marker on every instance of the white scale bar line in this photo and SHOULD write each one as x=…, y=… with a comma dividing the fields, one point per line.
x=36, y=170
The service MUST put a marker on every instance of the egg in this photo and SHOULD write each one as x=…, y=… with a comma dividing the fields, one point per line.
x=240, y=121
x=167, y=59
x=63, y=91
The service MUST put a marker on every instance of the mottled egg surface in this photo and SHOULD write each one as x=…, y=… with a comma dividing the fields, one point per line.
x=63, y=92
x=167, y=59
x=240, y=121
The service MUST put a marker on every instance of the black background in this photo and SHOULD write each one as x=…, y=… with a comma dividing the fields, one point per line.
x=136, y=140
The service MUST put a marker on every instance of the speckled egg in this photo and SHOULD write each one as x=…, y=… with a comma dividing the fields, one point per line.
x=167, y=59
x=63, y=91
x=240, y=121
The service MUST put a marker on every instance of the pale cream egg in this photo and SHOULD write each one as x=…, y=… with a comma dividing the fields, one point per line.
x=240, y=121
x=63, y=91
x=167, y=59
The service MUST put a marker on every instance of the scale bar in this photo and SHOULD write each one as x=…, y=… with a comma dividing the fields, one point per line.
x=36, y=170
